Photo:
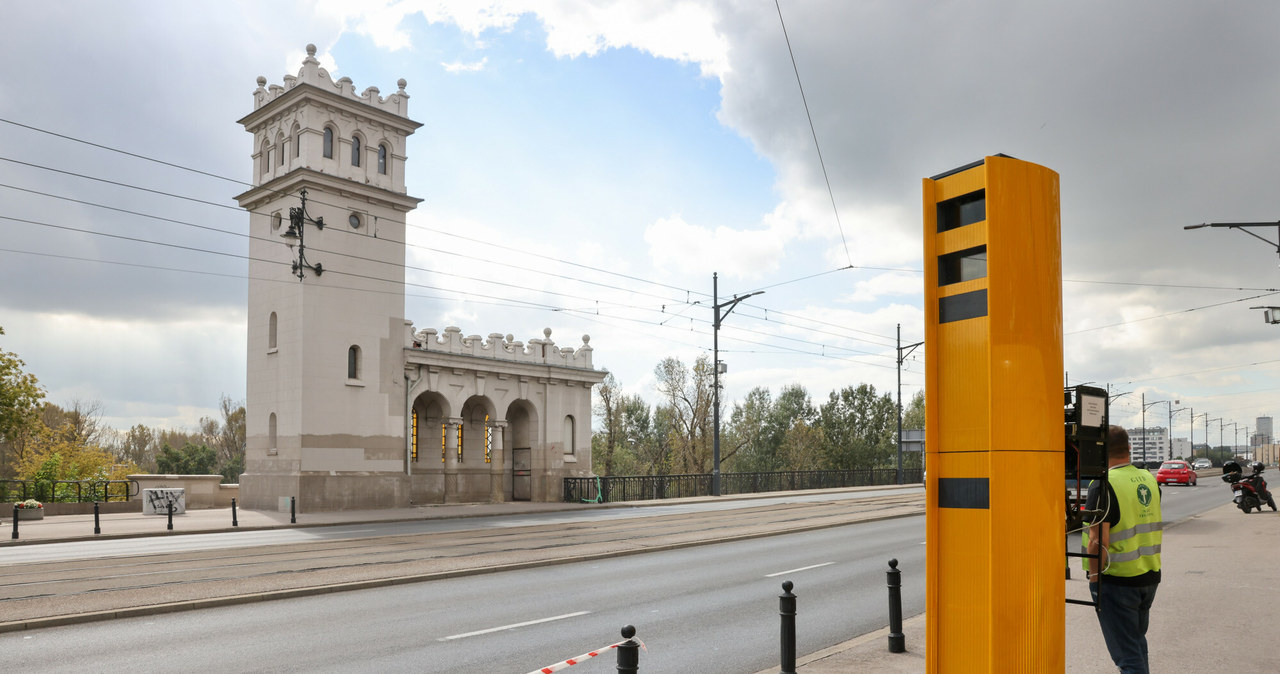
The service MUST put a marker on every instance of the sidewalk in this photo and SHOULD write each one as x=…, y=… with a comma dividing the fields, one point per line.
x=64, y=528
x=1211, y=563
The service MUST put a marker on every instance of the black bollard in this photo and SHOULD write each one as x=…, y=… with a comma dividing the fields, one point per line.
x=234, y=522
x=15, y=523
x=170, y=515
x=628, y=652
x=293, y=510
x=97, y=527
x=787, y=609
x=897, y=640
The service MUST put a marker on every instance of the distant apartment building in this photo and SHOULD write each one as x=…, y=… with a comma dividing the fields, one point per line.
x=1148, y=444
x=1182, y=448
x=1263, y=434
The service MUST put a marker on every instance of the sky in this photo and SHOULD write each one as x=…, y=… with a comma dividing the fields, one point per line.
x=588, y=166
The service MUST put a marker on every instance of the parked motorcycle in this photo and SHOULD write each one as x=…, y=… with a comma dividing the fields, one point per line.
x=1250, y=490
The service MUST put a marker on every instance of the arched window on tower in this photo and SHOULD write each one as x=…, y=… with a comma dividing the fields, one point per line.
x=353, y=362
x=271, y=432
x=570, y=446
x=382, y=159
x=355, y=150
x=328, y=142
x=266, y=157
x=280, y=142
x=271, y=332
x=296, y=135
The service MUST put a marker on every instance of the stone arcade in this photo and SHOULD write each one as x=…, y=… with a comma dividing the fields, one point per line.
x=348, y=407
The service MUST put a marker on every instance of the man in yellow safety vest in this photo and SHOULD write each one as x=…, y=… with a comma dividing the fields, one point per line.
x=1127, y=534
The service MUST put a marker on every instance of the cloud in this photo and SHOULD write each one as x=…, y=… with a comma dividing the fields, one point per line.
x=676, y=244
x=460, y=67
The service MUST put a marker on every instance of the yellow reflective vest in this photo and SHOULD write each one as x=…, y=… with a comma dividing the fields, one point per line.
x=1135, y=540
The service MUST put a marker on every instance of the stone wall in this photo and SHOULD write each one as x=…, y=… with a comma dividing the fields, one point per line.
x=202, y=491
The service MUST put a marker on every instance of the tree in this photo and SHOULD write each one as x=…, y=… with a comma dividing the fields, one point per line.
x=913, y=416
x=138, y=446
x=190, y=460
x=58, y=454
x=689, y=404
x=83, y=420
x=858, y=429
x=227, y=438
x=21, y=399
x=758, y=430
x=606, y=410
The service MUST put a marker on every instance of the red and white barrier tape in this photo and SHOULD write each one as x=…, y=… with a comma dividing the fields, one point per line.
x=565, y=664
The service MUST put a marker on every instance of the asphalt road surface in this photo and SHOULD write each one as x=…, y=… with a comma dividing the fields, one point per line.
x=710, y=608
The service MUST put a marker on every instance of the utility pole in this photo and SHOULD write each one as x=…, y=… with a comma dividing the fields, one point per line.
x=715, y=341
x=903, y=352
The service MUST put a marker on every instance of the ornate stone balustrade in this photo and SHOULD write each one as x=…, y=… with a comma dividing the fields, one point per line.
x=311, y=73
x=501, y=347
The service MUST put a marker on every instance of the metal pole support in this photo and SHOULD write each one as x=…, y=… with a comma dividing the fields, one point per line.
x=787, y=609
x=234, y=521
x=97, y=525
x=897, y=640
x=628, y=652
x=293, y=510
x=15, y=523
x=170, y=515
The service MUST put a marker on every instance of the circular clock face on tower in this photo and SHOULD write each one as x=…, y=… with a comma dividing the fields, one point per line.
x=354, y=221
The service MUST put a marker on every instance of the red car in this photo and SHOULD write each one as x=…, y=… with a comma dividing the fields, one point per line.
x=1176, y=472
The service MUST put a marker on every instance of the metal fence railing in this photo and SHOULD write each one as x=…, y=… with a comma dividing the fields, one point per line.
x=68, y=491
x=614, y=488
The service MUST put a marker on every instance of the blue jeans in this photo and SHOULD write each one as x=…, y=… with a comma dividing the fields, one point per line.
x=1123, y=614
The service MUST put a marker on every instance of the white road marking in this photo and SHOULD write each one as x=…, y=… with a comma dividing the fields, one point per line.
x=805, y=568
x=511, y=627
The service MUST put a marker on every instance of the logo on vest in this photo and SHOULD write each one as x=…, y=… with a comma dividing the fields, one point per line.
x=1144, y=495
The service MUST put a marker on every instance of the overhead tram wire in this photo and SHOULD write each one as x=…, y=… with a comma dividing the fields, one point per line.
x=351, y=256
x=250, y=184
x=1173, y=313
x=420, y=269
x=346, y=255
x=814, y=131
x=237, y=209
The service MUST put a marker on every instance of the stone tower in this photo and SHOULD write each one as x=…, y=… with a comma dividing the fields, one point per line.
x=325, y=398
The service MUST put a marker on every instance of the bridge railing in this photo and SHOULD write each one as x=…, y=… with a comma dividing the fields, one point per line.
x=615, y=488
x=68, y=491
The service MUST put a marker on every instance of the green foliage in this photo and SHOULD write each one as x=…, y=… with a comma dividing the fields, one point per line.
x=190, y=460
x=21, y=400
x=687, y=447
x=767, y=435
x=859, y=429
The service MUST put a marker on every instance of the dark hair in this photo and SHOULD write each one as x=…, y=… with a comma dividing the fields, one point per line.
x=1117, y=442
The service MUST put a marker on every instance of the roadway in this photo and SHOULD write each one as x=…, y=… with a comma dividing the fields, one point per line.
x=706, y=608
x=709, y=608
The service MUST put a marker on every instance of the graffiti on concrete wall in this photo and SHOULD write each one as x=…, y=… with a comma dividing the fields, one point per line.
x=157, y=501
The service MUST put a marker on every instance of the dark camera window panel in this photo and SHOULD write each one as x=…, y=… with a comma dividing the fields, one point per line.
x=962, y=265
x=965, y=209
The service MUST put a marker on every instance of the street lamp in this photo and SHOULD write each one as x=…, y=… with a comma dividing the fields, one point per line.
x=715, y=385
x=1235, y=432
x=298, y=217
x=1145, y=405
x=1269, y=314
